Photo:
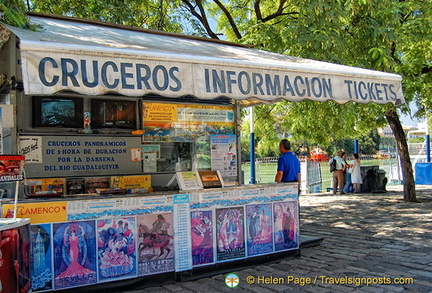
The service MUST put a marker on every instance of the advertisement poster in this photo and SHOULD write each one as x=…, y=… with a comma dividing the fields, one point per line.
x=259, y=229
x=74, y=254
x=11, y=168
x=230, y=234
x=31, y=148
x=38, y=212
x=116, y=248
x=202, y=237
x=185, y=122
x=15, y=259
x=224, y=154
x=42, y=258
x=286, y=225
x=155, y=243
x=183, y=242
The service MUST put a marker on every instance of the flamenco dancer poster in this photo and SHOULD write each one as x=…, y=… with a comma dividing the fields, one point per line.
x=42, y=278
x=230, y=234
x=259, y=229
x=116, y=248
x=15, y=260
x=202, y=237
x=155, y=243
x=286, y=225
x=74, y=254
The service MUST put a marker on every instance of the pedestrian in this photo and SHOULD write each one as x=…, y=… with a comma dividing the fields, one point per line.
x=356, y=178
x=288, y=168
x=348, y=187
x=338, y=176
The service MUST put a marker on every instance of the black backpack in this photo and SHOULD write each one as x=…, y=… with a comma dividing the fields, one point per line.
x=332, y=165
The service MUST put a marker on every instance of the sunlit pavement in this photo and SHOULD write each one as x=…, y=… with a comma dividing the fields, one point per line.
x=371, y=243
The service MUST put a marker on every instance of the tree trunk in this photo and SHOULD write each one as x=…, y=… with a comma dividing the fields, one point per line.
x=402, y=146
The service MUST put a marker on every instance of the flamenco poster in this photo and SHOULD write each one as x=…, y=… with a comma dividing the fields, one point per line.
x=259, y=229
x=116, y=248
x=42, y=258
x=286, y=225
x=74, y=254
x=15, y=259
x=155, y=243
x=230, y=234
x=202, y=237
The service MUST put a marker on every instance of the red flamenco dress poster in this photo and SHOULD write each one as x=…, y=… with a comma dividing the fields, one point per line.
x=74, y=254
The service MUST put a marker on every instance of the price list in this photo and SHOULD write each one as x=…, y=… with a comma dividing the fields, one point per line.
x=182, y=228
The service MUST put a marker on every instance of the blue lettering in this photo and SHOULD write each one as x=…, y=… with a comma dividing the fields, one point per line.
x=273, y=88
x=125, y=75
x=298, y=79
x=143, y=79
x=156, y=79
x=66, y=73
x=247, y=80
x=349, y=83
x=105, y=74
x=257, y=81
x=370, y=90
x=218, y=82
x=42, y=72
x=95, y=74
x=175, y=79
x=378, y=91
x=231, y=81
x=360, y=86
x=393, y=96
x=287, y=87
x=317, y=89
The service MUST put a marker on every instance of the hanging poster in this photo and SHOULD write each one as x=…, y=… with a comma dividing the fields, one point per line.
x=185, y=122
x=42, y=258
x=202, y=237
x=230, y=234
x=14, y=256
x=155, y=243
x=74, y=254
x=11, y=168
x=224, y=154
x=183, y=243
x=286, y=225
x=116, y=248
x=259, y=229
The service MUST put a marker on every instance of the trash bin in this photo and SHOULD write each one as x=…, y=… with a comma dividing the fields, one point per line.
x=369, y=180
x=381, y=181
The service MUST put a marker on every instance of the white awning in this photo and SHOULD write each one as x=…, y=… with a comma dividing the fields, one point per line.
x=94, y=58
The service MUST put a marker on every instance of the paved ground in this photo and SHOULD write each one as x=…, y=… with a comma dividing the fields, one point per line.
x=375, y=238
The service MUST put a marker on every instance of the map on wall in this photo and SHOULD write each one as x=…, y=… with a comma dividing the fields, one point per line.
x=185, y=122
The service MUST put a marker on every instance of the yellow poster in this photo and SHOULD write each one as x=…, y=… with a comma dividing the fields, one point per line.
x=159, y=112
x=38, y=213
x=140, y=181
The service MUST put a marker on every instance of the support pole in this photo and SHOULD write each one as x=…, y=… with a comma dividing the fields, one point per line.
x=428, y=154
x=356, y=146
x=252, y=147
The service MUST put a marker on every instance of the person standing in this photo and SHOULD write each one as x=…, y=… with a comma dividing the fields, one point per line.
x=338, y=173
x=288, y=168
x=356, y=178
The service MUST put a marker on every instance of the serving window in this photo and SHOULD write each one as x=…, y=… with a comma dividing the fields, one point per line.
x=182, y=137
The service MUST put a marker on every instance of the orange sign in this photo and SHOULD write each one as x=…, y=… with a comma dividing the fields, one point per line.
x=38, y=213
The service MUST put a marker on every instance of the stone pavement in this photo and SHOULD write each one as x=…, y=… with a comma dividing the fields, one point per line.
x=367, y=238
